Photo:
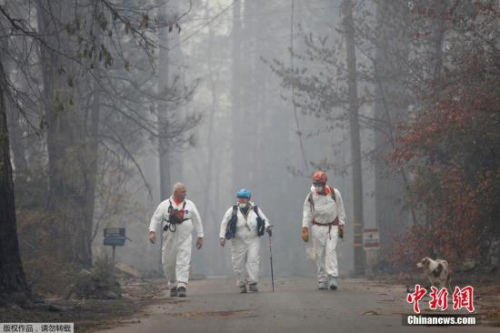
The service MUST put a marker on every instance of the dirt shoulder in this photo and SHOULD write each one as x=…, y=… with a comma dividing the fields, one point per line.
x=91, y=315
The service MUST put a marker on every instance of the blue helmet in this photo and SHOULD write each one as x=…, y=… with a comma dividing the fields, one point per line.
x=243, y=193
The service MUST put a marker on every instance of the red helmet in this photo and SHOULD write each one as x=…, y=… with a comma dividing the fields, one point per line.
x=320, y=177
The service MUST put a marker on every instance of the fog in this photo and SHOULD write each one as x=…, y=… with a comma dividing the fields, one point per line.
x=108, y=104
x=248, y=137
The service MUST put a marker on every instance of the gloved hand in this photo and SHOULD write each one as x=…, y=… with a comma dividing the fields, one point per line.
x=269, y=231
x=199, y=243
x=152, y=237
x=305, y=234
x=341, y=231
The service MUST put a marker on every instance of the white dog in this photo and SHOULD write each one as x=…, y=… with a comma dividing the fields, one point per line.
x=437, y=271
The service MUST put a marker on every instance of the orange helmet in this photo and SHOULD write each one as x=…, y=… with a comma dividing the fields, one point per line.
x=320, y=177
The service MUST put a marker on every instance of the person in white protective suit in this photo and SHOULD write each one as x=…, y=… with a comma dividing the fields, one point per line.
x=324, y=209
x=181, y=217
x=243, y=224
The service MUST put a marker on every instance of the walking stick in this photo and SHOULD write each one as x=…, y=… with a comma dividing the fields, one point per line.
x=271, y=258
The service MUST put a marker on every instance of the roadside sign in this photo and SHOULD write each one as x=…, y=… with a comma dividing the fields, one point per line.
x=114, y=236
x=371, y=239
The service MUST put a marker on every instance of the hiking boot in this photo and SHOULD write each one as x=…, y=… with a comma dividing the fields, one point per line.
x=243, y=289
x=333, y=283
x=173, y=292
x=253, y=288
x=181, y=291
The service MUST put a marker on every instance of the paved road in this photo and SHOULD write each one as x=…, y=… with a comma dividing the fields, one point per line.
x=296, y=306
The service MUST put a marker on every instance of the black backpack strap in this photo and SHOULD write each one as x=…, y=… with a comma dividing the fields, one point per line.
x=261, y=223
x=168, y=226
x=231, y=225
x=256, y=210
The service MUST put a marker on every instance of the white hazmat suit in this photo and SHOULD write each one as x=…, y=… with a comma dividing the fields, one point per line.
x=176, y=252
x=323, y=212
x=245, y=245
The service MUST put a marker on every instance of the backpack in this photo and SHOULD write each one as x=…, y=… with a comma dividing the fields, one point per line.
x=231, y=226
x=311, y=201
x=261, y=223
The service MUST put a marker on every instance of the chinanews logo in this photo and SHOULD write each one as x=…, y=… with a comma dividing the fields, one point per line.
x=462, y=298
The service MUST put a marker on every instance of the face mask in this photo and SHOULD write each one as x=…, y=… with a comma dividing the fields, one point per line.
x=319, y=188
x=242, y=205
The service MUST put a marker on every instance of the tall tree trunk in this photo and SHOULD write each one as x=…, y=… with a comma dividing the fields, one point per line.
x=66, y=141
x=236, y=93
x=57, y=136
x=83, y=248
x=245, y=95
x=170, y=78
x=357, y=186
x=17, y=142
x=12, y=278
x=437, y=41
x=207, y=197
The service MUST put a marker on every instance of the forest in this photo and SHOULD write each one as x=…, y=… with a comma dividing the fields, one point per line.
x=106, y=104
